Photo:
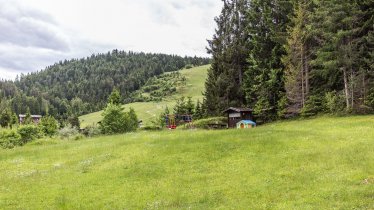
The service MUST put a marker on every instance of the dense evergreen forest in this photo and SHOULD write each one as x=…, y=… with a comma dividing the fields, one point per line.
x=79, y=86
x=292, y=57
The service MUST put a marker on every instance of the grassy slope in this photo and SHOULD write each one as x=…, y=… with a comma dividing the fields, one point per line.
x=147, y=111
x=324, y=163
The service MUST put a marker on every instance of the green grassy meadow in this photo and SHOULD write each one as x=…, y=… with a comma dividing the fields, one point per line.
x=322, y=163
x=147, y=111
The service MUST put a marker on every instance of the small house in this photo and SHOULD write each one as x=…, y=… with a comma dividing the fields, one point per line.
x=245, y=124
x=34, y=118
x=234, y=115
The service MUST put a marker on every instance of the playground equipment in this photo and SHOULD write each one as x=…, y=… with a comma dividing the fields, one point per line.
x=172, y=121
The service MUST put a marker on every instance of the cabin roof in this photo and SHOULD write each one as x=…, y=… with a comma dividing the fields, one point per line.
x=32, y=116
x=234, y=109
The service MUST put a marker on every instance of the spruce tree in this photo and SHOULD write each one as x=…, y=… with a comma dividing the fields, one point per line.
x=296, y=60
x=264, y=82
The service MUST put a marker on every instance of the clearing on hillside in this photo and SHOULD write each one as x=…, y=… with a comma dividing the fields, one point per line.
x=147, y=111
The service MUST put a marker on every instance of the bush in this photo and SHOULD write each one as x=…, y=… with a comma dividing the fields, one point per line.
x=189, y=66
x=9, y=139
x=48, y=125
x=204, y=123
x=114, y=120
x=29, y=133
x=74, y=122
x=312, y=106
x=91, y=131
x=334, y=103
x=68, y=132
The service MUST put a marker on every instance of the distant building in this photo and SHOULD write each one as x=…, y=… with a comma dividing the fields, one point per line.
x=35, y=118
x=234, y=115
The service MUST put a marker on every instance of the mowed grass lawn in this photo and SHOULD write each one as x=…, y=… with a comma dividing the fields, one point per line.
x=323, y=163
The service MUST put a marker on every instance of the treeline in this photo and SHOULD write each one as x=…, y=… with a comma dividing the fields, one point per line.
x=80, y=86
x=292, y=57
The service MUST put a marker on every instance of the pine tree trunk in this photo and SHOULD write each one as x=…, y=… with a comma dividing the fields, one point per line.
x=363, y=88
x=346, y=90
x=352, y=89
x=306, y=69
x=302, y=77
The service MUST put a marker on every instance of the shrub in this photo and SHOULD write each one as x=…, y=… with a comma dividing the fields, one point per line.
x=74, y=121
x=48, y=125
x=334, y=103
x=91, y=131
x=204, y=123
x=133, y=122
x=9, y=139
x=189, y=66
x=312, y=106
x=68, y=132
x=29, y=133
x=114, y=120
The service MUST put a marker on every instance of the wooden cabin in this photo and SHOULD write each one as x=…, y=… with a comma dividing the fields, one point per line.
x=35, y=118
x=234, y=115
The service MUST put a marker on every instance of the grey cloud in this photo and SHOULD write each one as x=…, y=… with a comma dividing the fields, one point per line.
x=29, y=28
x=203, y=4
x=161, y=13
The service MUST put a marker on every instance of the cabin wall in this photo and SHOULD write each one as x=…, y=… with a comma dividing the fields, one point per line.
x=234, y=117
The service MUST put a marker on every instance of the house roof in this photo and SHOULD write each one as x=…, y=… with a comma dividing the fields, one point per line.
x=32, y=116
x=238, y=109
x=247, y=122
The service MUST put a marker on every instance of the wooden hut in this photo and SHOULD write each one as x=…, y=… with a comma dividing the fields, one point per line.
x=234, y=115
x=34, y=118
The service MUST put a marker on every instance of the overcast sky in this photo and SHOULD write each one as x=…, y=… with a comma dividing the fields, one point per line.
x=38, y=33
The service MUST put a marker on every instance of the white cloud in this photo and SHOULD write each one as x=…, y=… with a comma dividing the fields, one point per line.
x=37, y=33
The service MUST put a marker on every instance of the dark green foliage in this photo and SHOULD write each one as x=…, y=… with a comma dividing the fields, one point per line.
x=9, y=139
x=204, y=123
x=115, y=120
x=27, y=120
x=48, y=125
x=115, y=97
x=29, y=133
x=282, y=107
x=14, y=120
x=313, y=106
x=158, y=87
x=133, y=122
x=180, y=107
x=5, y=118
x=199, y=113
x=161, y=121
x=81, y=86
x=301, y=57
x=190, y=107
x=334, y=102
x=229, y=48
x=74, y=122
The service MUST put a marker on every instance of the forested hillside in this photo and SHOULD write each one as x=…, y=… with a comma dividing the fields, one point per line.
x=79, y=86
x=292, y=57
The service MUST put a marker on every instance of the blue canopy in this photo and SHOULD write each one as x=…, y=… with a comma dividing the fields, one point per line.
x=247, y=122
